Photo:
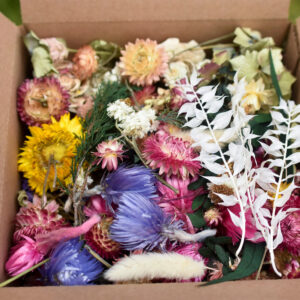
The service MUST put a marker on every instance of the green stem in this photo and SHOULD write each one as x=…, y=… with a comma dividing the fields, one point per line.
x=10, y=280
x=103, y=261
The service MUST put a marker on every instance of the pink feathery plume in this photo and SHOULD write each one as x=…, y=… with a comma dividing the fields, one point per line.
x=48, y=240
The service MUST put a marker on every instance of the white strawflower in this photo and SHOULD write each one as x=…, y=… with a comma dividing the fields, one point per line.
x=137, y=125
x=176, y=71
x=112, y=75
x=119, y=110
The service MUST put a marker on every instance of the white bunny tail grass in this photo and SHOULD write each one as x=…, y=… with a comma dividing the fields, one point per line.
x=185, y=237
x=155, y=265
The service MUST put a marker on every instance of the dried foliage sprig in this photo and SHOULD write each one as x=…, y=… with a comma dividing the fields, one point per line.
x=231, y=124
x=280, y=142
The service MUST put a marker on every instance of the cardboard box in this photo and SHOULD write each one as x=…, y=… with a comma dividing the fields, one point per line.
x=120, y=21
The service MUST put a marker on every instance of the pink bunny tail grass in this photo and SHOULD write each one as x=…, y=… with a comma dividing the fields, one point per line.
x=47, y=241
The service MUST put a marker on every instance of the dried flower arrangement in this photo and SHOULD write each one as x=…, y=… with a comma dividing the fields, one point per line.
x=157, y=163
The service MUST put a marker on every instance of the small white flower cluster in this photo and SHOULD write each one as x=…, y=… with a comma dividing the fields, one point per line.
x=133, y=124
x=112, y=75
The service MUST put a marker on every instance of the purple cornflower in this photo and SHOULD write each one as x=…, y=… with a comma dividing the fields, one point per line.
x=128, y=180
x=71, y=264
x=141, y=224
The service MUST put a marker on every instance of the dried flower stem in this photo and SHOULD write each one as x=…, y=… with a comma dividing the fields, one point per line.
x=44, y=197
x=99, y=258
x=261, y=264
x=207, y=44
x=10, y=280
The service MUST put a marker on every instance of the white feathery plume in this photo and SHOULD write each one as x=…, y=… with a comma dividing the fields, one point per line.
x=155, y=265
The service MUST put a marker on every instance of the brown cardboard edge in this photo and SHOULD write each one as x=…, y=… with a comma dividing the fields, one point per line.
x=12, y=73
x=151, y=10
x=246, y=290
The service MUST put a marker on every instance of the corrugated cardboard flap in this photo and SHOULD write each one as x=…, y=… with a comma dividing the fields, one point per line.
x=61, y=11
x=10, y=76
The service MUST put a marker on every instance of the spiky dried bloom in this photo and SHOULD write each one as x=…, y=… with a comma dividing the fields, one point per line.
x=213, y=217
x=108, y=153
x=85, y=62
x=34, y=219
x=134, y=180
x=143, y=62
x=71, y=264
x=290, y=228
x=55, y=143
x=179, y=204
x=98, y=239
x=141, y=224
x=23, y=256
x=171, y=155
x=39, y=99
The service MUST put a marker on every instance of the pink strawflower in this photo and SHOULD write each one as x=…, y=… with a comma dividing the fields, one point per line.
x=192, y=250
x=58, y=50
x=290, y=228
x=96, y=205
x=85, y=62
x=23, y=256
x=292, y=270
x=40, y=99
x=179, y=204
x=171, y=155
x=213, y=217
x=109, y=152
x=146, y=93
x=33, y=219
x=234, y=231
x=143, y=62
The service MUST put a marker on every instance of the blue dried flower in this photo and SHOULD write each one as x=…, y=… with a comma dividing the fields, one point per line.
x=71, y=264
x=141, y=224
x=134, y=180
x=27, y=189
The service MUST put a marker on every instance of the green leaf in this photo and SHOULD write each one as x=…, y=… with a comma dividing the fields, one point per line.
x=206, y=252
x=274, y=76
x=42, y=62
x=251, y=259
x=199, y=201
x=294, y=11
x=31, y=41
x=197, y=219
x=221, y=240
x=222, y=255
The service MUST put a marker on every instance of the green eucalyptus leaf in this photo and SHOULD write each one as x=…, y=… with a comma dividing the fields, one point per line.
x=42, y=62
x=206, y=252
x=251, y=260
x=221, y=240
x=199, y=201
x=222, y=255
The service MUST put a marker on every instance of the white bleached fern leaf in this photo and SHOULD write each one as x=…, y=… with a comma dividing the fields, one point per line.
x=210, y=135
x=281, y=142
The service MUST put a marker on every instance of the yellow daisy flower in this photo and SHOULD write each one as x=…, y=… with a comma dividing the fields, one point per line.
x=50, y=146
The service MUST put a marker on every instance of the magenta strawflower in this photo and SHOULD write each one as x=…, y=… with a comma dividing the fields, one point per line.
x=179, y=204
x=108, y=153
x=33, y=219
x=290, y=228
x=171, y=155
x=23, y=256
x=40, y=99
